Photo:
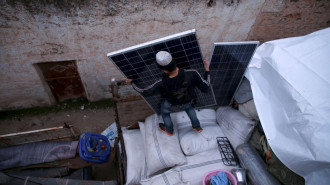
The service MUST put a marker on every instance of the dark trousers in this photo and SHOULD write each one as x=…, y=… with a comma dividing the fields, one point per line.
x=166, y=110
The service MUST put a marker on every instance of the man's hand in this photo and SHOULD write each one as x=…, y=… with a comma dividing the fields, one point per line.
x=207, y=64
x=128, y=81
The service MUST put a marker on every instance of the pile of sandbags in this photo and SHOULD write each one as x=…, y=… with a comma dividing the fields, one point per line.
x=153, y=157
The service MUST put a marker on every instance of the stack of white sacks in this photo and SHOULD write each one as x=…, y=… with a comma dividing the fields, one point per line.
x=153, y=157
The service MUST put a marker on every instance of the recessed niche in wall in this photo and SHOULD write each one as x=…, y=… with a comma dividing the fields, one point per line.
x=63, y=79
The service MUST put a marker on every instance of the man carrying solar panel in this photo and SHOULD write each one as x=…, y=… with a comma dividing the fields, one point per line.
x=177, y=89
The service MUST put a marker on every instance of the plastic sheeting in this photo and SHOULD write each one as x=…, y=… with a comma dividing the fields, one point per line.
x=290, y=80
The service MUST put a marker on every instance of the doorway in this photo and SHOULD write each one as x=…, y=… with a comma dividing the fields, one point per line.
x=63, y=79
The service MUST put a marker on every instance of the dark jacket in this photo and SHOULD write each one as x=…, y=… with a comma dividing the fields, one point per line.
x=180, y=89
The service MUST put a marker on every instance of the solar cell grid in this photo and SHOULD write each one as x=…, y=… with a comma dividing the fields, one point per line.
x=227, y=66
x=139, y=63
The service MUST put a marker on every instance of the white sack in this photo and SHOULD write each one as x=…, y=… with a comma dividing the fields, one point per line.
x=182, y=119
x=161, y=150
x=249, y=110
x=135, y=155
x=167, y=178
x=237, y=127
x=200, y=164
x=193, y=142
x=243, y=92
x=290, y=80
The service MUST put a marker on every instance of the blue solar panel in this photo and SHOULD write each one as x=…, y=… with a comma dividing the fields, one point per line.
x=139, y=63
x=227, y=67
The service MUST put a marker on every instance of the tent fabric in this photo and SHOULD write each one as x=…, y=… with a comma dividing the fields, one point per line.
x=290, y=81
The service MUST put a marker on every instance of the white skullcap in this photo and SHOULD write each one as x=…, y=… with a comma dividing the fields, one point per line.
x=163, y=58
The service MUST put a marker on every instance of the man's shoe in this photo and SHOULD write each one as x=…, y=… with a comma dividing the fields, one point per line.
x=162, y=127
x=198, y=129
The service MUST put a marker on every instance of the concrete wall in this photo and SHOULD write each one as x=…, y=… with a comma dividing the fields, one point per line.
x=85, y=31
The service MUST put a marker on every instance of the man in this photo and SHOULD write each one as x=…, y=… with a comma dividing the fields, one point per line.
x=177, y=89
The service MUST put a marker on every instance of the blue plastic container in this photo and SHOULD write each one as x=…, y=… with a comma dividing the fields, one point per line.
x=94, y=147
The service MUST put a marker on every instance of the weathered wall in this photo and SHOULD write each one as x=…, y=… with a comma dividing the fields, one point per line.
x=85, y=31
x=281, y=19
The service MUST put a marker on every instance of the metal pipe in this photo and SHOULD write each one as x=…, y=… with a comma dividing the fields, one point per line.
x=116, y=98
x=31, y=132
x=119, y=163
x=256, y=168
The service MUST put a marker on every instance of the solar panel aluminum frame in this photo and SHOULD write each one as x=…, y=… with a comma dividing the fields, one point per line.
x=234, y=43
x=157, y=41
x=154, y=42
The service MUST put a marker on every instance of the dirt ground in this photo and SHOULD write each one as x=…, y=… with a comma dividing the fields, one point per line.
x=82, y=120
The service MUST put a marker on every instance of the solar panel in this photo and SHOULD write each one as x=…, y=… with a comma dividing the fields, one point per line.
x=139, y=63
x=227, y=67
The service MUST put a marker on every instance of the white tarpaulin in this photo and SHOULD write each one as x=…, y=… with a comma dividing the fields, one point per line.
x=290, y=80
